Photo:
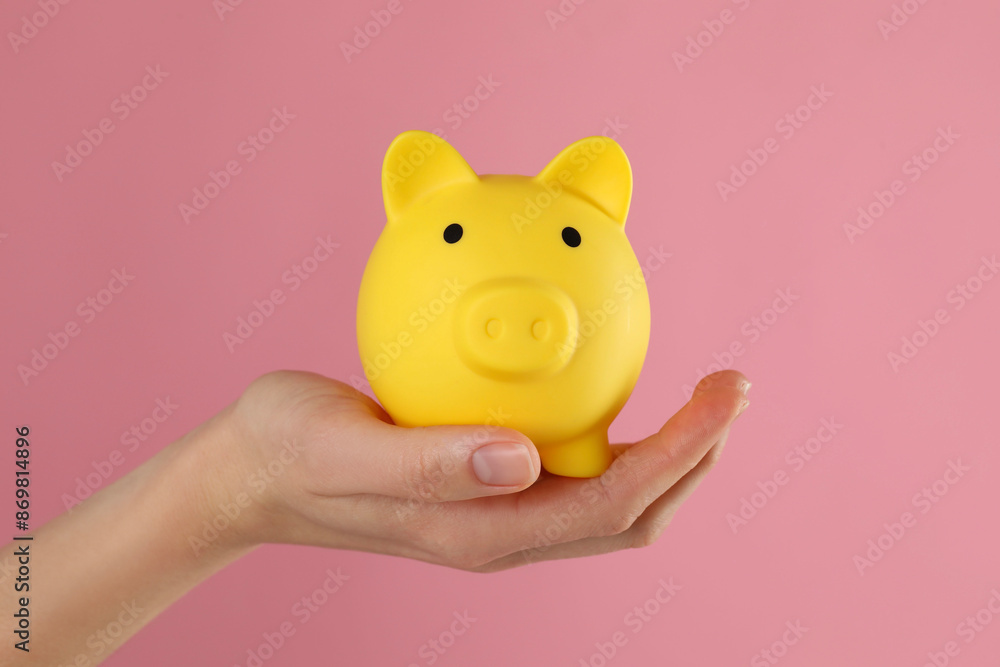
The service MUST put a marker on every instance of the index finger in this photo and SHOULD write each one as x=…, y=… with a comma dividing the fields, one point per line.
x=646, y=470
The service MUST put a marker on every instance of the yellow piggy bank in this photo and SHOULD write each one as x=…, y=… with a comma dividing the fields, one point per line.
x=504, y=299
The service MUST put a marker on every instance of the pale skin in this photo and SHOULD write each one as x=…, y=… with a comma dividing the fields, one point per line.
x=348, y=479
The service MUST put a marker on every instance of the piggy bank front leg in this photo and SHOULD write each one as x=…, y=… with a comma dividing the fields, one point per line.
x=588, y=455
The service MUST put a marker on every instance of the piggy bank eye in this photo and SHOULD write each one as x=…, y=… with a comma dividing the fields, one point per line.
x=453, y=232
x=571, y=237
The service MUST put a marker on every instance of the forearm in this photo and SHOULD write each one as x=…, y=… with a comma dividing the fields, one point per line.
x=104, y=570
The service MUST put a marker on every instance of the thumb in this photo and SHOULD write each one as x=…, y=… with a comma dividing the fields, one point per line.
x=439, y=463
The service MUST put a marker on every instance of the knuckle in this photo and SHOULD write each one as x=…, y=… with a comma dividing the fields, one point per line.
x=426, y=535
x=468, y=559
x=268, y=383
x=424, y=476
x=650, y=533
x=619, y=523
x=437, y=541
x=491, y=567
x=644, y=538
x=714, y=456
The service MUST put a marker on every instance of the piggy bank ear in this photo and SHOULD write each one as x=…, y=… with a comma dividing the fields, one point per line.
x=596, y=170
x=416, y=164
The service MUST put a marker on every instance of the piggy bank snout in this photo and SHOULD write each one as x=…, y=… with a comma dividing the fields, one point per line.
x=515, y=328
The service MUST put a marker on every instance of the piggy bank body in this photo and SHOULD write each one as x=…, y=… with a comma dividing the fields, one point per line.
x=506, y=300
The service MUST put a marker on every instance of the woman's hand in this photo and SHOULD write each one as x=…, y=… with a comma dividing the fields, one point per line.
x=323, y=464
x=303, y=459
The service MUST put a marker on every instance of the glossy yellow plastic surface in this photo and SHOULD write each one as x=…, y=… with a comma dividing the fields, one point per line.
x=506, y=300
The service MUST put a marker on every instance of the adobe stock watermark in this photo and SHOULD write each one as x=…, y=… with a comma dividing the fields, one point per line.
x=294, y=277
x=426, y=490
x=461, y=111
x=794, y=631
x=915, y=167
x=590, y=493
x=786, y=127
x=131, y=440
x=432, y=650
x=752, y=330
x=34, y=22
x=100, y=642
x=967, y=630
x=419, y=321
x=635, y=620
x=581, y=158
x=87, y=310
x=248, y=149
x=923, y=501
x=223, y=7
x=257, y=483
x=364, y=33
x=121, y=108
x=8, y=568
x=593, y=320
x=796, y=458
x=406, y=165
x=703, y=39
x=898, y=17
x=562, y=12
x=957, y=298
x=304, y=610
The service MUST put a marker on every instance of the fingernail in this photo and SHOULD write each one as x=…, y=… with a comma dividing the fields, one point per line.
x=745, y=386
x=503, y=464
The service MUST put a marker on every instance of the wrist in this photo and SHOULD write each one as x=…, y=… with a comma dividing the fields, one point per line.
x=149, y=539
x=226, y=511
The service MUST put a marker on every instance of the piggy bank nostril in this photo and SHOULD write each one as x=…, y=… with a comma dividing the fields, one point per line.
x=539, y=329
x=494, y=327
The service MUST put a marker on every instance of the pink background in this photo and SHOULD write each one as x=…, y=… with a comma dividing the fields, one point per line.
x=825, y=358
